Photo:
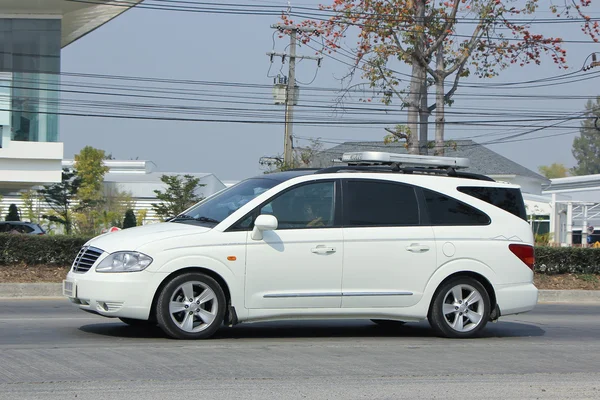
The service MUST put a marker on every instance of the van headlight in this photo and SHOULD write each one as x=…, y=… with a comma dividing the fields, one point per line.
x=124, y=261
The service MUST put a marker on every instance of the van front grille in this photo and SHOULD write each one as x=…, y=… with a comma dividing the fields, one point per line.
x=86, y=258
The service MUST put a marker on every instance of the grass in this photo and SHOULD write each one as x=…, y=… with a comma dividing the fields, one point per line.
x=591, y=278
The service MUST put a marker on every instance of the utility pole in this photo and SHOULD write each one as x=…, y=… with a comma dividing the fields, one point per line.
x=290, y=95
x=288, y=142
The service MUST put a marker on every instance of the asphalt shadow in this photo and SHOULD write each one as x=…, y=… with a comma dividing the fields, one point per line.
x=122, y=330
x=315, y=329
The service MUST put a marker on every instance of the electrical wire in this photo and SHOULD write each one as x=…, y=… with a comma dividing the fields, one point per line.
x=176, y=5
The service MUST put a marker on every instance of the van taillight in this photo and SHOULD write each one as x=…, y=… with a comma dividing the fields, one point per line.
x=524, y=252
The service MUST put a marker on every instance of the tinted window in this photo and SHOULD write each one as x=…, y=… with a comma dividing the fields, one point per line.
x=444, y=210
x=372, y=203
x=510, y=200
x=306, y=206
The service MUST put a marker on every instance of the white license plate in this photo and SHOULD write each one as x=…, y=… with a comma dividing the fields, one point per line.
x=69, y=289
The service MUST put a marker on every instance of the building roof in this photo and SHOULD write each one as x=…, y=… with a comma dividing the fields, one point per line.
x=78, y=17
x=573, y=184
x=483, y=160
x=151, y=177
x=121, y=166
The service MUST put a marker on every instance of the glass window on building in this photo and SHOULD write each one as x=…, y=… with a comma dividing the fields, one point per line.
x=30, y=52
x=5, y=105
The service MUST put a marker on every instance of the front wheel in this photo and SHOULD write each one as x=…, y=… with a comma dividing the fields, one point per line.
x=191, y=306
x=460, y=309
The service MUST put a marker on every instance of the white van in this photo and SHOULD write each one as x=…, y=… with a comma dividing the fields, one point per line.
x=387, y=237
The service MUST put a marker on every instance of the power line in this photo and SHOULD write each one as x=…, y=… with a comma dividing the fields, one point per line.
x=241, y=85
x=259, y=9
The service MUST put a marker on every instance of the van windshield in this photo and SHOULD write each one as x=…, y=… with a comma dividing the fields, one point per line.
x=216, y=208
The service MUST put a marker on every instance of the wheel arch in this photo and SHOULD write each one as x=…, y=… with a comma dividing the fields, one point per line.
x=456, y=268
x=471, y=274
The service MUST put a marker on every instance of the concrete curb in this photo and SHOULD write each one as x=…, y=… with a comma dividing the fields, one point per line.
x=569, y=296
x=22, y=290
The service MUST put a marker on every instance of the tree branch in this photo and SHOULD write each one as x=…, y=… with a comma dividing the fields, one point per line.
x=452, y=90
x=398, y=43
x=397, y=134
x=438, y=42
x=432, y=71
x=462, y=59
x=450, y=93
x=386, y=81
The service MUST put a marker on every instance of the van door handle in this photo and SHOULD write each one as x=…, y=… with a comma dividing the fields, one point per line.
x=417, y=248
x=321, y=249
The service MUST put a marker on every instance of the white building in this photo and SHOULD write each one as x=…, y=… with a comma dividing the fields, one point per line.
x=573, y=206
x=32, y=34
x=139, y=178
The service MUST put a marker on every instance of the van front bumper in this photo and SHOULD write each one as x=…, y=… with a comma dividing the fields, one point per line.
x=127, y=294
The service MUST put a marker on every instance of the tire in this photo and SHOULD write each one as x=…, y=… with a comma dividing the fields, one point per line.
x=460, y=309
x=191, y=306
x=137, y=322
x=388, y=323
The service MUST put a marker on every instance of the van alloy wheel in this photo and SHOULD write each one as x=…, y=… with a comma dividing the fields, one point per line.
x=463, y=308
x=191, y=306
x=460, y=308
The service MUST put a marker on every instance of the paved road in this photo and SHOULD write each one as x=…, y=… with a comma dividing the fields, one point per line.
x=50, y=350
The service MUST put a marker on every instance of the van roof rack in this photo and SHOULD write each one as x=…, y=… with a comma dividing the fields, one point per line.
x=373, y=161
x=412, y=160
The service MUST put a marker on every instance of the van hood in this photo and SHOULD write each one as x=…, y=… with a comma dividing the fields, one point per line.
x=133, y=238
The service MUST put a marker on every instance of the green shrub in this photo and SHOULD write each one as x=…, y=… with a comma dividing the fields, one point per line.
x=13, y=213
x=129, y=220
x=567, y=260
x=58, y=250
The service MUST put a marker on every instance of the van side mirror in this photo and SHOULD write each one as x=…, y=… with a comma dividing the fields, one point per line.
x=263, y=223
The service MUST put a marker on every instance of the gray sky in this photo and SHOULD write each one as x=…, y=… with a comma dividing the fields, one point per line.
x=230, y=48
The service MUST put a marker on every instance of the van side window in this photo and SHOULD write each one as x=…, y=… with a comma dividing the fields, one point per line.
x=508, y=199
x=307, y=206
x=377, y=203
x=445, y=210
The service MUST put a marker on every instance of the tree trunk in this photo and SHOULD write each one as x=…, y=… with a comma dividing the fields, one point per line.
x=67, y=223
x=439, y=104
x=423, y=116
x=412, y=139
x=418, y=74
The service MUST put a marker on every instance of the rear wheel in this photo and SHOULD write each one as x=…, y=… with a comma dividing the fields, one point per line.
x=191, y=306
x=460, y=309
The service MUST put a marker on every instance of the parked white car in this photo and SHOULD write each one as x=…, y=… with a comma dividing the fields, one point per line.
x=386, y=243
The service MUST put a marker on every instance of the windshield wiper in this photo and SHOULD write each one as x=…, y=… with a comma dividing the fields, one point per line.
x=206, y=219
x=184, y=217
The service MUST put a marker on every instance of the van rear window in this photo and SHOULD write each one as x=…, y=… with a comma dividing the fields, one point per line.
x=510, y=200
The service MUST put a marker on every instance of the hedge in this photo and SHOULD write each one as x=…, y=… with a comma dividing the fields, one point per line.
x=56, y=250
x=62, y=250
x=567, y=260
